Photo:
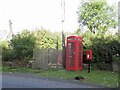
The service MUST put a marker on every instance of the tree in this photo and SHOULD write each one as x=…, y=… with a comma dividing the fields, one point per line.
x=97, y=16
x=47, y=39
x=22, y=45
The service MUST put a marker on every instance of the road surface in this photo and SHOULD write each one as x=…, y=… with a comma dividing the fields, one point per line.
x=17, y=80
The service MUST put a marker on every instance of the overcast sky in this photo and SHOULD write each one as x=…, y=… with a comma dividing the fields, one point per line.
x=32, y=14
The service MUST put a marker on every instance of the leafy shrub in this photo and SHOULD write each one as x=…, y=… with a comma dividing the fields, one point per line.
x=22, y=45
x=116, y=58
x=106, y=49
x=7, y=54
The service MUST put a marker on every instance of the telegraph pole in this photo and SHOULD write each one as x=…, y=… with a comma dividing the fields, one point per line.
x=63, y=35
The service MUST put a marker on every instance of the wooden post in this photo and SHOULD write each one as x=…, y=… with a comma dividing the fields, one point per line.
x=89, y=66
x=63, y=51
x=63, y=36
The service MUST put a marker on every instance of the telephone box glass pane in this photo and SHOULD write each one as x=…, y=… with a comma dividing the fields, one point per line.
x=80, y=54
x=71, y=53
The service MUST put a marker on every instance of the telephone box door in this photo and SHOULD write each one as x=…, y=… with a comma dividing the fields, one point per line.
x=71, y=55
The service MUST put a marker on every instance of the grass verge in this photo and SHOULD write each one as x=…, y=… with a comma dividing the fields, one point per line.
x=97, y=77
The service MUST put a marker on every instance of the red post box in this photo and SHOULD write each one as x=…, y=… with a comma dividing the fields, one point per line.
x=88, y=54
x=74, y=53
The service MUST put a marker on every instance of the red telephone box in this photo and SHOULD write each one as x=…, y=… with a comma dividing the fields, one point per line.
x=88, y=54
x=74, y=53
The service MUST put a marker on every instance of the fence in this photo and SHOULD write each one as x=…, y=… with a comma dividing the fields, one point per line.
x=47, y=58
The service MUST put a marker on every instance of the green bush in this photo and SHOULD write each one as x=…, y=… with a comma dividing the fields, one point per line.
x=106, y=49
x=22, y=45
x=116, y=58
x=7, y=54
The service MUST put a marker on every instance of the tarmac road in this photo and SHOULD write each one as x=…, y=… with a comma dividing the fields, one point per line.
x=17, y=80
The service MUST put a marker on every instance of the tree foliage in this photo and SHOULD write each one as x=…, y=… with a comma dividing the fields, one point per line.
x=47, y=39
x=22, y=45
x=7, y=54
x=97, y=16
x=105, y=49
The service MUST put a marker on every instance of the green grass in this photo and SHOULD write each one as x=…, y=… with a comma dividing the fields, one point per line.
x=97, y=77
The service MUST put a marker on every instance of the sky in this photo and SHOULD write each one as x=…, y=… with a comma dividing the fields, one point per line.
x=34, y=14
